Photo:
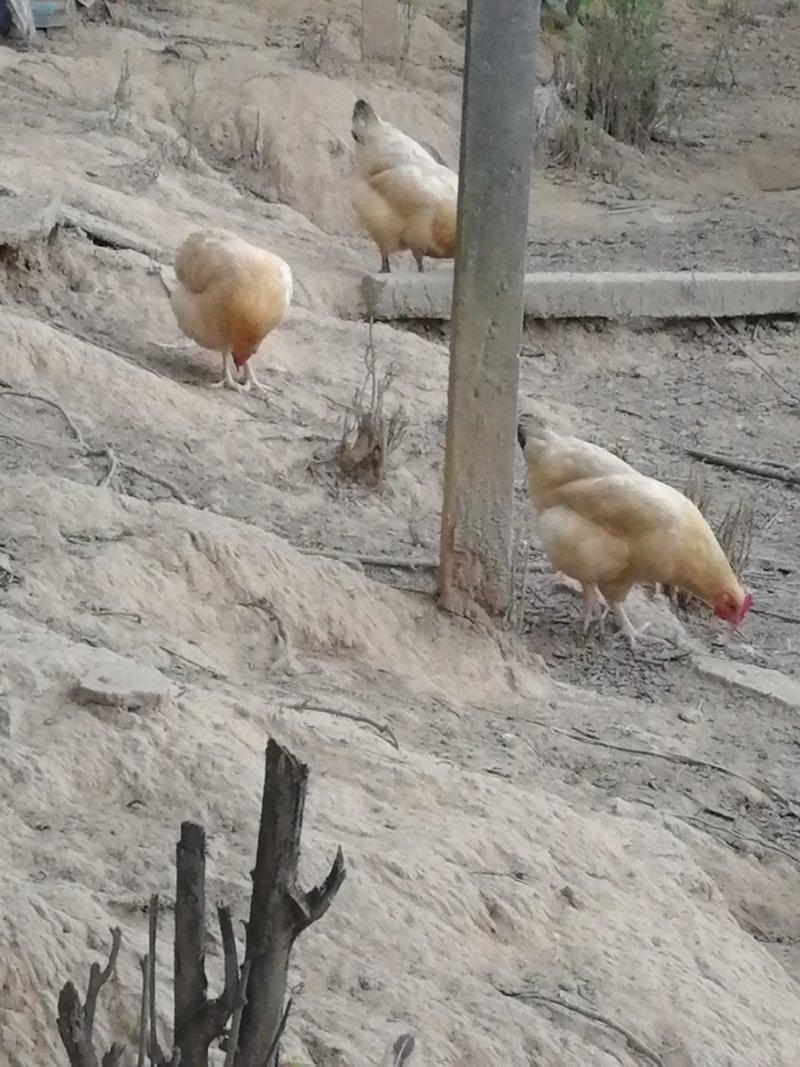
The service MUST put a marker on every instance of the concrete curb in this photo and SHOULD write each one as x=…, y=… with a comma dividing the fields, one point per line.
x=600, y=295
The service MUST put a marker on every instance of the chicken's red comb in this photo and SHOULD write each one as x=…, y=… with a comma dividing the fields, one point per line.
x=747, y=603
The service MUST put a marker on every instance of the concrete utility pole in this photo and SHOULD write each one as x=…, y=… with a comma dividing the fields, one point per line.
x=494, y=189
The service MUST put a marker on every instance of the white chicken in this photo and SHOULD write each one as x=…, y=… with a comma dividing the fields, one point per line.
x=403, y=197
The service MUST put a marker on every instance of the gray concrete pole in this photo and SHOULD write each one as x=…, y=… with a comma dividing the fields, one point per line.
x=494, y=190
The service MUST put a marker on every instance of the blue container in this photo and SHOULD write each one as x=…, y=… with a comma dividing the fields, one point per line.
x=48, y=14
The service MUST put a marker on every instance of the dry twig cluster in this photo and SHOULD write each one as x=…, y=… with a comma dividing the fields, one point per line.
x=369, y=434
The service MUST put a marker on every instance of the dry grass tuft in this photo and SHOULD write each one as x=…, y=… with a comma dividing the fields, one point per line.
x=369, y=435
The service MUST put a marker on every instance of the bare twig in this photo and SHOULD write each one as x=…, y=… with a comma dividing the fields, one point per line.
x=154, y=1049
x=76, y=1020
x=526, y=549
x=721, y=831
x=144, y=1012
x=24, y=395
x=157, y=480
x=98, y=977
x=279, y=1032
x=634, y=1043
x=380, y=727
x=776, y=615
x=745, y=351
x=670, y=757
x=116, y=614
x=156, y=1053
x=121, y=103
x=236, y=1018
x=194, y=663
x=408, y=563
x=401, y=562
x=744, y=466
x=113, y=463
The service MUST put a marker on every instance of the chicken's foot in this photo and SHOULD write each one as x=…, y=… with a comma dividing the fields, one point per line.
x=250, y=380
x=626, y=626
x=228, y=381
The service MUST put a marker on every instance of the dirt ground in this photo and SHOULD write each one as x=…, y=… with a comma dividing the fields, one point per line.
x=560, y=818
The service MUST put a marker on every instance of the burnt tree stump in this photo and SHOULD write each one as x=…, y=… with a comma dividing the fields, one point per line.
x=254, y=1000
x=279, y=909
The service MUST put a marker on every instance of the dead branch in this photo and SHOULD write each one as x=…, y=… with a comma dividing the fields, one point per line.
x=114, y=1055
x=380, y=727
x=156, y=1053
x=743, y=466
x=401, y=562
x=24, y=395
x=157, y=480
x=76, y=1020
x=721, y=831
x=273, y=1048
x=116, y=614
x=279, y=909
x=409, y=563
x=198, y=1020
x=154, y=1050
x=634, y=1043
x=236, y=1018
x=670, y=757
x=776, y=615
x=217, y=675
x=144, y=1012
x=745, y=351
x=113, y=463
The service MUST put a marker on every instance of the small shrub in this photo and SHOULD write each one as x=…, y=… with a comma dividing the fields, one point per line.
x=611, y=75
x=369, y=435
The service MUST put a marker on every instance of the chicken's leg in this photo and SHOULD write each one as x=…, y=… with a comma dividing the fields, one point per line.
x=385, y=268
x=250, y=380
x=626, y=626
x=228, y=381
x=592, y=605
x=420, y=264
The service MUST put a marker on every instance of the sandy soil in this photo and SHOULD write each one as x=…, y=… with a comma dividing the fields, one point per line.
x=561, y=858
